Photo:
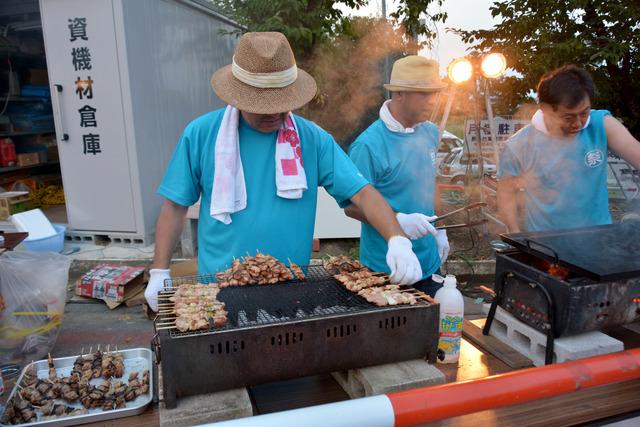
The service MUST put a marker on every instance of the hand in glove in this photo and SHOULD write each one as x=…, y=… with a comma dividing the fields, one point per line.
x=404, y=265
x=443, y=245
x=157, y=277
x=416, y=225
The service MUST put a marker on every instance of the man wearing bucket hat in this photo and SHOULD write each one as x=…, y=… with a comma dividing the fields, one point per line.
x=397, y=155
x=257, y=166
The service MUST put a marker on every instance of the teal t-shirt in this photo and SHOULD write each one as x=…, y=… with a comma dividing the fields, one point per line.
x=565, y=180
x=271, y=224
x=401, y=166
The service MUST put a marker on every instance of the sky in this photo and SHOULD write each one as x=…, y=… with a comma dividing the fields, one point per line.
x=464, y=14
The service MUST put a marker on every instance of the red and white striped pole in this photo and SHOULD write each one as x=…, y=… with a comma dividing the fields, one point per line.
x=423, y=405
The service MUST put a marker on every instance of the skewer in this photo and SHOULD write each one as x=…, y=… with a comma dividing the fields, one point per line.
x=487, y=290
x=465, y=208
x=419, y=294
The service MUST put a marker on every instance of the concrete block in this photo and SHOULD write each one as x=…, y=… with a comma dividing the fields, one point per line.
x=635, y=327
x=478, y=267
x=388, y=378
x=473, y=305
x=207, y=408
x=532, y=343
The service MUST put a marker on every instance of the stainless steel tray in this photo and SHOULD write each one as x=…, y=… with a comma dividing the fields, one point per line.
x=135, y=359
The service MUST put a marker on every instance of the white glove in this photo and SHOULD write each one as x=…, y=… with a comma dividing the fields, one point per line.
x=416, y=225
x=443, y=245
x=157, y=276
x=404, y=265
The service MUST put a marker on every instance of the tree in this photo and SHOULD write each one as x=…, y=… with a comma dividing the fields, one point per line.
x=344, y=54
x=603, y=37
x=305, y=23
x=308, y=23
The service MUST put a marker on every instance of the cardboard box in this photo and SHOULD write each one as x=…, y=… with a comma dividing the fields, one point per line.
x=114, y=284
x=8, y=155
x=184, y=268
x=13, y=202
x=38, y=77
x=52, y=153
x=28, y=159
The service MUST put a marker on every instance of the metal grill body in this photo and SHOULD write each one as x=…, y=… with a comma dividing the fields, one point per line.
x=601, y=289
x=579, y=304
x=289, y=330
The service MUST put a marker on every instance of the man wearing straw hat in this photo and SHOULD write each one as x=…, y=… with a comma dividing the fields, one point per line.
x=257, y=166
x=397, y=154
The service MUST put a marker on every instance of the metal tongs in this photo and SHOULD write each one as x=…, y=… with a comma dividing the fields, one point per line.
x=464, y=209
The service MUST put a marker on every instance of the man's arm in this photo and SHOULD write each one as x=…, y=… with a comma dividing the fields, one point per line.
x=437, y=204
x=369, y=206
x=355, y=212
x=508, y=189
x=168, y=229
x=622, y=142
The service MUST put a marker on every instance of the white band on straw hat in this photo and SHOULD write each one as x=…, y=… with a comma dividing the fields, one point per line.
x=411, y=82
x=276, y=79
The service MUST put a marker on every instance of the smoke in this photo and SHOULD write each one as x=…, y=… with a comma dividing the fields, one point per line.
x=349, y=73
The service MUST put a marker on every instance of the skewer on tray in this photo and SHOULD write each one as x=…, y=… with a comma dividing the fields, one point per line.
x=38, y=399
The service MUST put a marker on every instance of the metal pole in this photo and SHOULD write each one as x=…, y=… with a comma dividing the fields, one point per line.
x=478, y=125
x=429, y=404
x=492, y=124
x=445, y=114
x=386, y=71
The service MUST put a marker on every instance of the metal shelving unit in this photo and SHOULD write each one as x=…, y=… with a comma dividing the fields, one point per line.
x=25, y=133
x=15, y=168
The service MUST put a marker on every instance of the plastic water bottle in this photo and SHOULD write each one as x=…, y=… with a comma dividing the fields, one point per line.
x=451, y=313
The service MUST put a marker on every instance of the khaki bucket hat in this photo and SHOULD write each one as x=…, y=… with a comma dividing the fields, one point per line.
x=415, y=74
x=263, y=77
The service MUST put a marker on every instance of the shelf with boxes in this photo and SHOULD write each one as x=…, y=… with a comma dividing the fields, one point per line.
x=30, y=166
x=28, y=149
x=24, y=133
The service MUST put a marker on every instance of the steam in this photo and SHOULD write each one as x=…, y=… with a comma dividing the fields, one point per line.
x=349, y=73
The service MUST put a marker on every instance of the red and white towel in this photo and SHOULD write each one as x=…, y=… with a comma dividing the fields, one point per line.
x=229, y=194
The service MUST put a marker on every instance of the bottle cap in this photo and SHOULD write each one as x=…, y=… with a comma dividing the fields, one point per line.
x=450, y=281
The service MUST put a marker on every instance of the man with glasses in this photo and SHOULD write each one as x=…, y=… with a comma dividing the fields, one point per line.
x=560, y=159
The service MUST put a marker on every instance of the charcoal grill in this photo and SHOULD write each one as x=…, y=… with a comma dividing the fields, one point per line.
x=600, y=286
x=288, y=330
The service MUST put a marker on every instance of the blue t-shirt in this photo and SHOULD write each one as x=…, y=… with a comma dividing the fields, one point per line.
x=401, y=166
x=565, y=180
x=274, y=225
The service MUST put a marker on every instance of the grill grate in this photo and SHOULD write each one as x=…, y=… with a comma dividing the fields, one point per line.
x=252, y=305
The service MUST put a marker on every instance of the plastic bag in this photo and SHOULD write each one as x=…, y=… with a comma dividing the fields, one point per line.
x=33, y=286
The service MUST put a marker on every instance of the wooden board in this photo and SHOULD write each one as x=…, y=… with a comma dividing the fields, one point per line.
x=571, y=409
x=11, y=240
x=472, y=330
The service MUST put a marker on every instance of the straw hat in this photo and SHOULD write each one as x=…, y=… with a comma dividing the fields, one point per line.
x=415, y=74
x=263, y=77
